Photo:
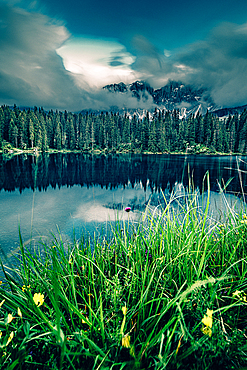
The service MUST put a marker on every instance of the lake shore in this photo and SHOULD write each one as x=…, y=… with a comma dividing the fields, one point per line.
x=35, y=151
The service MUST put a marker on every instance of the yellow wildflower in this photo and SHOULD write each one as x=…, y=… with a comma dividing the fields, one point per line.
x=126, y=341
x=207, y=319
x=19, y=312
x=240, y=294
x=237, y=294
x=10, y=338
x=207, y=331
x=124, y=309
x=1, y=334
x=2, y=303
x=208, y=322
x=209, y=312
x=9, y=318
x=38, y=299
x=25, y=287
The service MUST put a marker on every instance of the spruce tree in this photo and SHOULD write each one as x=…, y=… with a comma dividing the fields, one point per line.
x=31, y=132
x=145, y=132
x=191, y=132
x=207, y=123
x=199, y=129
x=70, y=133
x=58, y=136
x=242, y=146
x=1, y=126
x=152, y=139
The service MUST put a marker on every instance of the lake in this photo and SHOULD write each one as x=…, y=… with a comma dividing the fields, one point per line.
x=78, y=193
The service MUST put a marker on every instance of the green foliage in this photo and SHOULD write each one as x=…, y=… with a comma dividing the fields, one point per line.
x=162, y=293
x=156, y=133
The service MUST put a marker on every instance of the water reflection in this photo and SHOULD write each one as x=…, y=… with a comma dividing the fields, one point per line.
x=78, y=193
x=151, y=171
x=222, y=205
x=73, y=210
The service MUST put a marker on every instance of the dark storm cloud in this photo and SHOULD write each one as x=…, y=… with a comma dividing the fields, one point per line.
x=155, y=68
x=220, y=64
x=149, y=58
x=31, y=72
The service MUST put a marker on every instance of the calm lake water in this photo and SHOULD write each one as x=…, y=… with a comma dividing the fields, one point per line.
x=82, y=193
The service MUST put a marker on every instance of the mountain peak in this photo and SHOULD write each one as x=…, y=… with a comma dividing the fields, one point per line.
x=174, y=95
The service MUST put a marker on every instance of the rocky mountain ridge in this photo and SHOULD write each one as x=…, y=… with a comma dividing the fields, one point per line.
x=174, y=95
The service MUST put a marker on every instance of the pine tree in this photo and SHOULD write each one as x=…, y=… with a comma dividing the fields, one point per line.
x=219, y=127
x=57, y=132
x=231, y=133
x=175, y=120
x=242, y=146
x=58, y=136
x=145, y=132
x=207, y=122
x=70, y=133
x=152, y=139
x=237, y=132
x=44, y=144
x=1, y=126
x=31, y=132
x=15, y=135
x=92, y=135
x=191, y=132
x=162, y=137
x=199, y=129
x=49, y=132
x=126, y=130
x=21, y=128
x=168, y=130
x=87, y=134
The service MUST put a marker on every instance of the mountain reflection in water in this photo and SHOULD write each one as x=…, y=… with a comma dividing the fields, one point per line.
x=78, y=192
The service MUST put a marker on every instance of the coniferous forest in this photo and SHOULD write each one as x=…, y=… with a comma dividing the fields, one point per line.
x=160, y=132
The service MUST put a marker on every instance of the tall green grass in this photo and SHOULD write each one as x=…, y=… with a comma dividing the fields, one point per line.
x=134, y=300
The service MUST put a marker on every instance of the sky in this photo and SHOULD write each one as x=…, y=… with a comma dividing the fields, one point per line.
x=59, y=54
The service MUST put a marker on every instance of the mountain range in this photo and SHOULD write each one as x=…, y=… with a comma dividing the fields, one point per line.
x=175, y=95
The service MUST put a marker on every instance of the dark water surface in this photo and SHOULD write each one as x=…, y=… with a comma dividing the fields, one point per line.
x=78, y=192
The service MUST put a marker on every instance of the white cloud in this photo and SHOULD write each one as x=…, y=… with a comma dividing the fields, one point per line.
x=97, y=62
x=31, y=72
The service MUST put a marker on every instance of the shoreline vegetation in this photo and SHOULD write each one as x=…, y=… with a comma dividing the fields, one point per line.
x=36, y=130
x=166, y=292
x=16, y=151
x=12, y=151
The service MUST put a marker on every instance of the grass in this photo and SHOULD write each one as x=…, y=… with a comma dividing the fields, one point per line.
x=168, y=292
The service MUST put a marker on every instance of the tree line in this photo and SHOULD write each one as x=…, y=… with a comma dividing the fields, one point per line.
x=162, y=131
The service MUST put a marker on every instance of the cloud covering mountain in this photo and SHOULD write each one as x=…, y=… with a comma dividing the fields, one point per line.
x=42, y=64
